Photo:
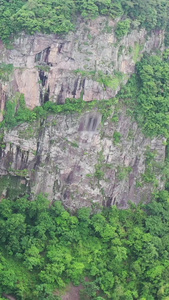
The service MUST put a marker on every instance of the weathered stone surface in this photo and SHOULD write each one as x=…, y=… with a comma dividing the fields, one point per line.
x=29, y=87
x=74, y=158
x=93, y=47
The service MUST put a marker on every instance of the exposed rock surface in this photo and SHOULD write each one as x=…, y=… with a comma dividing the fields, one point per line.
x=75, y=159
x=46, y=65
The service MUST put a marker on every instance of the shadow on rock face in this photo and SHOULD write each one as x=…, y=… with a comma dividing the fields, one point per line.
x=90, y=122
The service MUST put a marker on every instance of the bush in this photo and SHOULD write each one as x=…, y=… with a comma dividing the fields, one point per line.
x=122, y=28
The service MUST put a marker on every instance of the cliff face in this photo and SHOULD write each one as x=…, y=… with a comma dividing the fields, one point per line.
x=89, y=61
x=76, y=158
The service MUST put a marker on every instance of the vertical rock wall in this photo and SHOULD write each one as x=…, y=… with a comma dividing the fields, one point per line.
x=78, y=160
x=89, y=63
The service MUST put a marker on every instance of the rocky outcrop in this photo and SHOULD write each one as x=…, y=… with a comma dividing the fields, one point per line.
x=89, y=62
x=76, y=158
x=80, y=161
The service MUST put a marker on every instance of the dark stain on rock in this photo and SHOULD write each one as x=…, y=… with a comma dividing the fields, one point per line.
x=60, y=47
x=114, y=201
x=42, y=77
x=8, y=159
x=69, y=179
x=42, y=57
x=109, y=201
x=60, y=99
x=92, y=124
x=75, y=87
x=66, y=194
x=46, y=95
x=83, y=83
x=46, y=55
x=37, y=162
x=81, y=126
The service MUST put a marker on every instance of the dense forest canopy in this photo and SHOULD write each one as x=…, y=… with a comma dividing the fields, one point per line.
x=57, y=16
x=123, y=253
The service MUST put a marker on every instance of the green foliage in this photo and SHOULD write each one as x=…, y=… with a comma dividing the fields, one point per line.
x=123, y=172
x=111, y=81
x=117, y=137
x=85, y=73
x=5, y=71
x=121, y=48
x=136, y=52
x=56, y=16
x=147, y=94
x=123, y=253
x=150, y=155
x=99, y=172
x=16, y=111
x=122, y=28
x=9, y=183
x=44, y=68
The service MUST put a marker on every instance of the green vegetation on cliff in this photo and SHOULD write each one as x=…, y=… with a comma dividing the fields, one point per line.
x=57, y=16
x=147, y=93
x=17, y=113
x=123, y=253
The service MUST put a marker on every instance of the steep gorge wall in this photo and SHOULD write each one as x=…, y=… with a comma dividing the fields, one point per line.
x=46, y=66
x=76, y=158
